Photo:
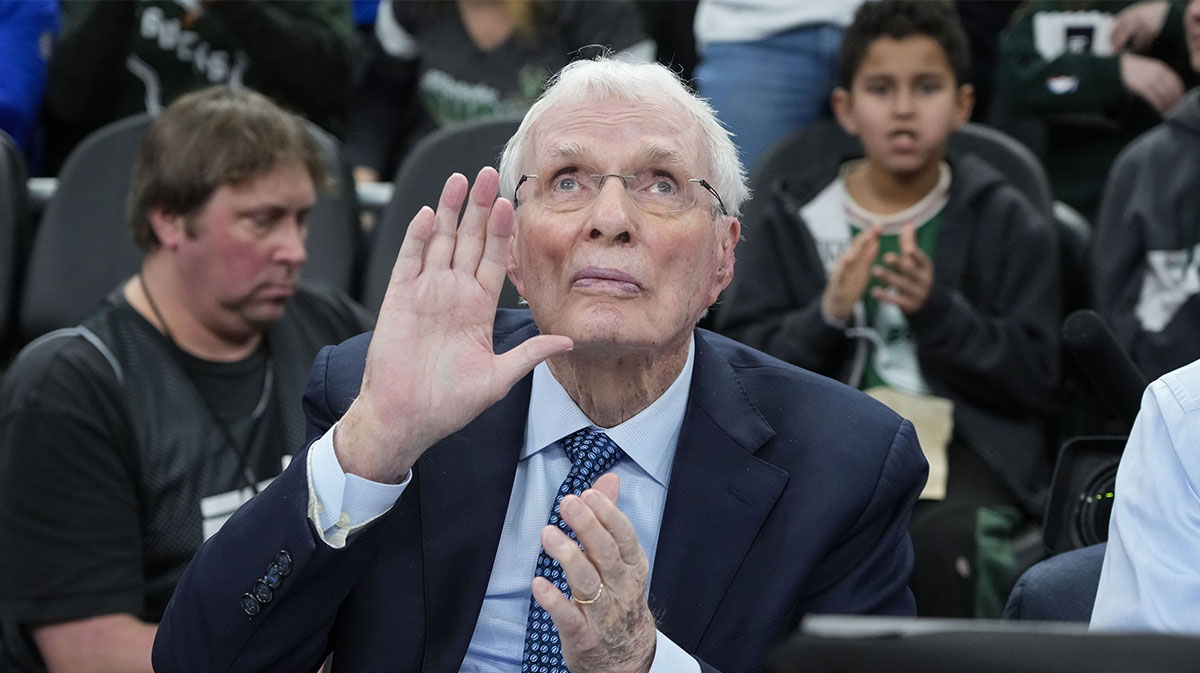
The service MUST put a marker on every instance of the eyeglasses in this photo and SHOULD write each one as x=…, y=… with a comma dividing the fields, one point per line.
x=653, y=190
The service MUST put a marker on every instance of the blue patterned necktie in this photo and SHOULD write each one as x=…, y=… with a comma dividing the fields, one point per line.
x=592, y=454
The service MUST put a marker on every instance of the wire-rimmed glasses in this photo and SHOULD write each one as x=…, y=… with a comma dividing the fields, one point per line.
x=653, y=190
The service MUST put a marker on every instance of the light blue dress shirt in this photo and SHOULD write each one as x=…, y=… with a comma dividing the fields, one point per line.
x=1150, y=580
x=341, y=503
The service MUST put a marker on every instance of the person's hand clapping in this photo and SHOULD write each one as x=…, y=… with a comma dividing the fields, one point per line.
x=850, y=275
x=907, y=276
x=609, y=629
x=1152, y=80
x=431, y=367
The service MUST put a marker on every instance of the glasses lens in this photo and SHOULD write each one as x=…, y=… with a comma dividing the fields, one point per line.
x=658, y=191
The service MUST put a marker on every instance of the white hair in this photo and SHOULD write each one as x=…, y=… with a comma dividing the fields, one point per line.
x=634, y=82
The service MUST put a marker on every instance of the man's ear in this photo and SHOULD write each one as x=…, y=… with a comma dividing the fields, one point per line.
x=842, y=102
x=729, y=236
x=169, y=228
x=514, y=269
x=964, y=104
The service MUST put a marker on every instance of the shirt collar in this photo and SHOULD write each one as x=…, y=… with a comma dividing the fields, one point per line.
x=649, y=438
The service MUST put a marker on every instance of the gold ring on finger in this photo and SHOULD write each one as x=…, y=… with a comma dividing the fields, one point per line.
x=593, y=599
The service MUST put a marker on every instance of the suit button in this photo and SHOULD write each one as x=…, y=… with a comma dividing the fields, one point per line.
x=262, y=592
x=273, y=577
x=284, y=562
x=250, y=606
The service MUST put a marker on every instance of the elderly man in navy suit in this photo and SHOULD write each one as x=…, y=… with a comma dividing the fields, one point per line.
x=593, y=484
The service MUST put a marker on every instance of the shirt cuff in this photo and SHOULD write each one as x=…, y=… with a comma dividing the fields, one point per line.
x=338, y=503
x=830, y=321
x=670, y=658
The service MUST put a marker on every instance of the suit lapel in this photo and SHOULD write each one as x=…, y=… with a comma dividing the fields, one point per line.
x=465, y=484
x=718, y=498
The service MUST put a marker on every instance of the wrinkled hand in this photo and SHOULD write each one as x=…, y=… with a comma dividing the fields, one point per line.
x=1151, y=80
x=1137, y=26
x=431, y=367
x=850, y=275
x=616, y=634
x=907, y=276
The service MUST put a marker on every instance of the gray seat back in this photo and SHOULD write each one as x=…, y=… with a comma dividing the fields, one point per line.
x=83, y=247
x=462, y=148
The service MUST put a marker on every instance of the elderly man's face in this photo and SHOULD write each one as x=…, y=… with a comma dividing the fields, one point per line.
x=613, y=272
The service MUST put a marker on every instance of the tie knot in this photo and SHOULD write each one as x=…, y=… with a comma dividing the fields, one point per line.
x=591, y=451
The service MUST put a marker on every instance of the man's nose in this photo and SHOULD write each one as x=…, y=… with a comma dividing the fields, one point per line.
x=291, y=249
x=612, y=212
x=902, y=103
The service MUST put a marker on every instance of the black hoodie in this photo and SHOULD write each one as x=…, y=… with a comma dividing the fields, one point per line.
x=1144, y=257
x=986, y=338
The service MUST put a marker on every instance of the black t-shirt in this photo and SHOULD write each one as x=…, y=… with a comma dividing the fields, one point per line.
x=107, y=449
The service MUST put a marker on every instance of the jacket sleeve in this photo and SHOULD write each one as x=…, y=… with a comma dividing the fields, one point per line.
x=774, y=301
x=1023, y=74
x=206, y=628
x=868, y=572
x=1000, y=346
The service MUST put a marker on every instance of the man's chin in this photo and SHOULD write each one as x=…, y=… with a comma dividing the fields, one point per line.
x=265, y=314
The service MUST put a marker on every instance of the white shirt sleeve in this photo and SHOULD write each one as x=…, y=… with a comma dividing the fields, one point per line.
x=339, y=503
x=670, y=658
x=1150, y=579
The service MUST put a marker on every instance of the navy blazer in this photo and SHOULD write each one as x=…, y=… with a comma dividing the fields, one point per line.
x=790, y=493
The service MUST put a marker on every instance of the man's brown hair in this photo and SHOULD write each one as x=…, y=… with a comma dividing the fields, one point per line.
x=209, y=138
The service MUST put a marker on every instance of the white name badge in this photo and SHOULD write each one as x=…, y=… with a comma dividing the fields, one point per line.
x=215, y=510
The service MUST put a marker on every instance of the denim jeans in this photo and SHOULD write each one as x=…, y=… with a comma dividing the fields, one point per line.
x=766, y=89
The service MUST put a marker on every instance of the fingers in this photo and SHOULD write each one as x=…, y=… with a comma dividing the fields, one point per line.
x=864, y=247
x=610, y=554
x=518, y=362
x=410, y=260
x=445, y=222
x=1122, y=31
x=614, y=522
x=908, y=241
x=567, y=617
x=493, y=266
x=906, y=277
x=474, y=230
x=479, y=245
x=609, y=484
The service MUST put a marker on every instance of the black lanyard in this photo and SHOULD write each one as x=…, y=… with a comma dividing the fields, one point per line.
x=265, y=401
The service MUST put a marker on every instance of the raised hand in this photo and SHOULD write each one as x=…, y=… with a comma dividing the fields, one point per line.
x=1137, y=26
x=850, y=274
x=1152, y=80
x=431, y=367
x=608, y=627
x=907, y=277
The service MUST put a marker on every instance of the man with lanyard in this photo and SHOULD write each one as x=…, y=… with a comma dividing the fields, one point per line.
x=127, y=440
